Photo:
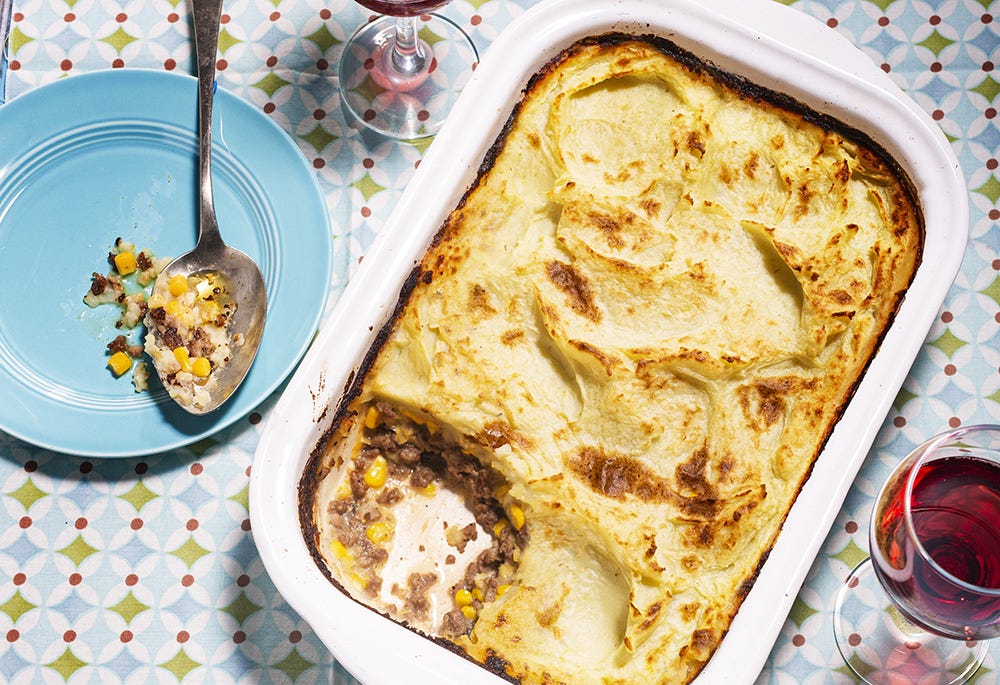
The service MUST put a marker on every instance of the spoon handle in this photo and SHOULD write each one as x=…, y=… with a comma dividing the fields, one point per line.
x=207, y=16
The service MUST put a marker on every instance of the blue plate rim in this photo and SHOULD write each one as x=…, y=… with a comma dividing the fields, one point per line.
x=177, y=429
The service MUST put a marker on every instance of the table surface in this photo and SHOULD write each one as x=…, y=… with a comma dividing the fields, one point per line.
x=145, y=570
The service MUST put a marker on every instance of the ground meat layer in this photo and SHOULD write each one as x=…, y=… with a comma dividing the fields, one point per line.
x=400, y=458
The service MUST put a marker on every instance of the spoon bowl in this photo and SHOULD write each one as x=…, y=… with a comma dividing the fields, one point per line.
x=240, y=276
x=246, y=326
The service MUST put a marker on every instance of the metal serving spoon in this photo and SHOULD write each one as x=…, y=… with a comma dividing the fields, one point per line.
x=211, y=255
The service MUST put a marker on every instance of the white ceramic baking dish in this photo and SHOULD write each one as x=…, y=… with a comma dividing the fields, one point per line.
x=774, y=46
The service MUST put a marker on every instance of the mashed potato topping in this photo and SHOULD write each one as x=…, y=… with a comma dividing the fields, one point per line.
x=188, y=334
x=628, y=345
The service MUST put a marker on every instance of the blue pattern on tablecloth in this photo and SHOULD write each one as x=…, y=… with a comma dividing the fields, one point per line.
x=144, y=570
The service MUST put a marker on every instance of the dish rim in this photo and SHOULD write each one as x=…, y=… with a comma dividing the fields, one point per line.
x=174, y=430
x=772, y=42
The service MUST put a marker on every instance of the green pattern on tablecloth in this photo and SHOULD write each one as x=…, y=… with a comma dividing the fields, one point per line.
x=144, y=570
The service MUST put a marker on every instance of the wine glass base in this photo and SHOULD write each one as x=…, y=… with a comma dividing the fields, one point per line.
x=405, y=107
x=882, y=648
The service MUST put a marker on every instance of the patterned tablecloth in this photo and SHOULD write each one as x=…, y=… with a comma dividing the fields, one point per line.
x=144, y=570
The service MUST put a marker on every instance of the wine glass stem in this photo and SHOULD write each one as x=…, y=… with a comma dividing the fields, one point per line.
x=407, y=57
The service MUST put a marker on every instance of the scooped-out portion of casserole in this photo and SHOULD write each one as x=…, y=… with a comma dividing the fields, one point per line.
x=573, y=446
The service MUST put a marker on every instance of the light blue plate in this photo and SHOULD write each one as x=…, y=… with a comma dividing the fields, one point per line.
x=114, y=153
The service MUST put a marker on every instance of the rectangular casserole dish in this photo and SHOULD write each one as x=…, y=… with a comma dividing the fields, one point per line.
x=767, y=43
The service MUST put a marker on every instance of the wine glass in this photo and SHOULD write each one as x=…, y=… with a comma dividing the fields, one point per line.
x=400, y=73
x=919, y=609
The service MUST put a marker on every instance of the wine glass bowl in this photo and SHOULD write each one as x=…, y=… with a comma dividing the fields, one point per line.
x=402, y=8
x=936, y=544
x=400, y=73
x=935, y=553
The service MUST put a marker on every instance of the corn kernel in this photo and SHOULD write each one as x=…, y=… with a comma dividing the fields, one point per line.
x=463, y=597
x=379, y=532
x=182, y=357
x=421, y=420
x=125, y=263
x=377, y=472
x=339, y=551
x=516, y=517
x=428, y=490
x=201, y=367
x=477, y=594
x=502, y=491
x=343, y=490
x=470, y=612
x=120, y=363
x=356, y=446
x=499, y=526
x=173, y=308
x=402, y=433
x=502, y=589
x=371, y=418
x=178, y=285
x=209, y=310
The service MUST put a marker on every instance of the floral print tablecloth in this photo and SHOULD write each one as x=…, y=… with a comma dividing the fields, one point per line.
x=144, y=570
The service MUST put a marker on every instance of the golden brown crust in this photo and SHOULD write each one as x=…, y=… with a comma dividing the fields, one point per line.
x=647, y=314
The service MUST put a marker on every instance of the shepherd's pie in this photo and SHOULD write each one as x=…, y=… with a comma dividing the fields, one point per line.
x=575, y=443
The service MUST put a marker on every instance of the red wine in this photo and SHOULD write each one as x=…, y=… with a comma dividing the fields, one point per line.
x=402, y=8
x=955, y=508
